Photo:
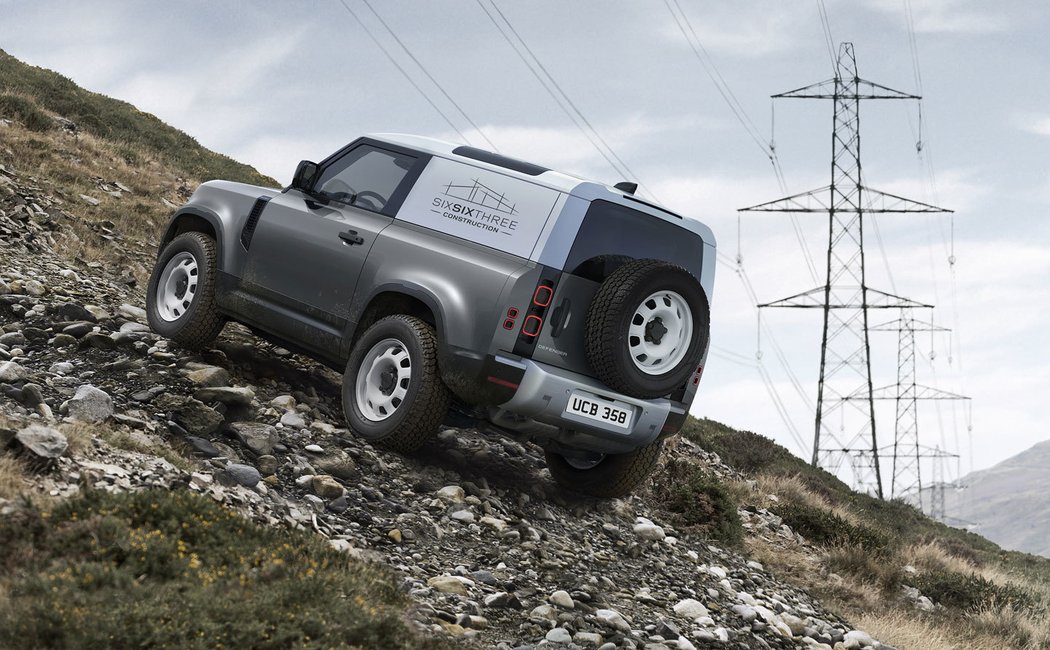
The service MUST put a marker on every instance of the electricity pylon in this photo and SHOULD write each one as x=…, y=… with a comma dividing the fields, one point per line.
x=845, y=297
x=907, y=452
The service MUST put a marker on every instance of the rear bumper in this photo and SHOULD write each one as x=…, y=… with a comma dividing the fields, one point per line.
x=543, y=394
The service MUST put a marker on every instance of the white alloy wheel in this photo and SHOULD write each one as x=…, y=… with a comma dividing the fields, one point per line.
x=177, y=286
x=660, y=332
x=383, y=379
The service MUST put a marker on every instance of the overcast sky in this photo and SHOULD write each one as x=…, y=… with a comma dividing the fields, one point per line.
x=271, y=83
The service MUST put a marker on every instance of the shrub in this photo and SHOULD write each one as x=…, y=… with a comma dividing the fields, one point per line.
x=699, y=502
x=971, y=592
x=26, y=112
x=172, y=570
x=870, y=567
x=824, y=527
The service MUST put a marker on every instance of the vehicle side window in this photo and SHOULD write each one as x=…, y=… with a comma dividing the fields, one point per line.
x=365, y=177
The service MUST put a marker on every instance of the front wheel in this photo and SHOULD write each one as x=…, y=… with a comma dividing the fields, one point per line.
x=605, y=475
x=180, y=297
x=393, y=395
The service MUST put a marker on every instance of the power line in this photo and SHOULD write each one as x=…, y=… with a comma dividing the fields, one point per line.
x=685, y=26
x=430, y=76
x=561, y=98
x=825, y=24
x=403, y=72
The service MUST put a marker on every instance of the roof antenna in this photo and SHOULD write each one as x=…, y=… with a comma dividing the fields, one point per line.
x=624, y=186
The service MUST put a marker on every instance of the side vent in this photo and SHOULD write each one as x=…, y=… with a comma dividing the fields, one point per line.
x=253, y=220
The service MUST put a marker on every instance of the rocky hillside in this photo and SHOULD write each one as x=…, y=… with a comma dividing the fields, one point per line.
x=1007, y=503
x=116, y=446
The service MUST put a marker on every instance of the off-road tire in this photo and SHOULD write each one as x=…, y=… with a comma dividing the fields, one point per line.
x=616, y=475
x=198, y=326
x=425, y=404
x=609, y=318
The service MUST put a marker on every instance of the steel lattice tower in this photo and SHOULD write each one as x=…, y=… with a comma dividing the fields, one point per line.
x=845, y=298
x=907, y=452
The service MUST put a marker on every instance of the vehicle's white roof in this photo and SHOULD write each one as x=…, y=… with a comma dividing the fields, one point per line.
x=582, y=188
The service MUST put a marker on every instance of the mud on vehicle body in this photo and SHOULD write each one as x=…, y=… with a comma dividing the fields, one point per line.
x=451, y=284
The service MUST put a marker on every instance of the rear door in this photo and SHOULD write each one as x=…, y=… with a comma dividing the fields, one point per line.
x=308, y=249
x=610, y=235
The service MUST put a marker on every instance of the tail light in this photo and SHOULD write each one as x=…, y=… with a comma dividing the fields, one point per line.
x=541, y=299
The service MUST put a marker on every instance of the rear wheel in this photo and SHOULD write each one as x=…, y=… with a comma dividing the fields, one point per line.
x=393, y=395
x=604, y=475
x=180, y=297
x=647, y=328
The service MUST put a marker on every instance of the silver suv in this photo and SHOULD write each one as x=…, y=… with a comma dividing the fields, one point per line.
x=451, y=284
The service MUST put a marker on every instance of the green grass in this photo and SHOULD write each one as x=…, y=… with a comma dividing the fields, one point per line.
x=166, y=569
x=698, y=502
x=826, y=528
x=26, y=112
x=113, y=120
x=971, y=592
x=754, y=454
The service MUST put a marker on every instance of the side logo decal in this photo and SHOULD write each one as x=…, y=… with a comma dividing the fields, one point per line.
x=477, y=205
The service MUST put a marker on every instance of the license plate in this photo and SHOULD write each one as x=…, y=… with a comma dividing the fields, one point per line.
x=602, y=410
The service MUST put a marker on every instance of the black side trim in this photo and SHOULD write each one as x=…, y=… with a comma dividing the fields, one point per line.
x=500, y=161
x=253, y=220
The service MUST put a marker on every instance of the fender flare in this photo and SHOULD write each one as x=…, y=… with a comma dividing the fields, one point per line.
x=200, y=212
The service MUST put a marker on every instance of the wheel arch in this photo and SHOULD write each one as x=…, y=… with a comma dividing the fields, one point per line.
x=387, y=300
x=195, y=219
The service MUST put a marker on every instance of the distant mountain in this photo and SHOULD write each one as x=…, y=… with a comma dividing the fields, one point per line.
x=1010, y=502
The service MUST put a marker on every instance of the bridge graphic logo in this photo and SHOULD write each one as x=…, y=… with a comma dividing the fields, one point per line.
x=481, y=195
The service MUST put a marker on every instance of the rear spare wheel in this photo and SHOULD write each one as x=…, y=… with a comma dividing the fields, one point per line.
x=647, y=328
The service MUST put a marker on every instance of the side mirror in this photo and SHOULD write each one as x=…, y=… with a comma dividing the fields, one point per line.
x=305, y=176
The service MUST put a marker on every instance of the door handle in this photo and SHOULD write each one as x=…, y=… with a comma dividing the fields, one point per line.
x=351, y=237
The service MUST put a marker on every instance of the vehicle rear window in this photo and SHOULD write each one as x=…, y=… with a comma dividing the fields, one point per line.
x=611, y=232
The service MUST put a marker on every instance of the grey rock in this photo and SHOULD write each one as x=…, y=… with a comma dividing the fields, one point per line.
x=132, y=312
x=293, y=420
x=90, y=404
x=98, y=340
x=211, y=376
x=245, y=475
x=648, y=531
x=326, y=487
x=78, y=330
x=203, y=447
x=258, y=437
x=34, y=288
x=43, y=442
x=745, y=612
x=339, y=464
x=562, y=599
x=64, y=341
x=13, y=339
x=267, y=464
x=690, y=608
x=70, y=311
x=502, y=600
x=192, y=415
x=230, y=396
x=32, y=395
x=339, y=505
x=559, y=635
x=61, y=368
x=11, y=372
